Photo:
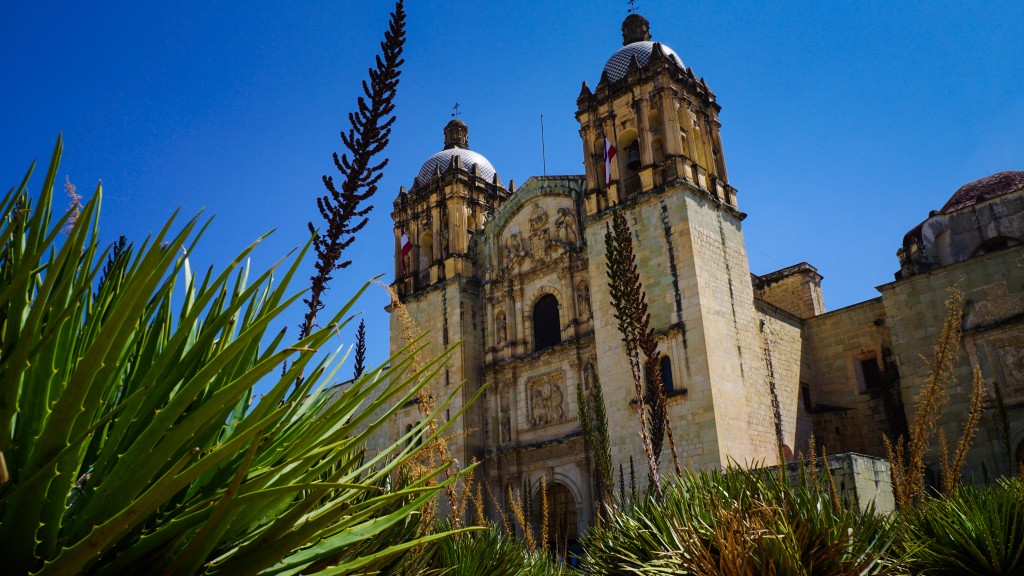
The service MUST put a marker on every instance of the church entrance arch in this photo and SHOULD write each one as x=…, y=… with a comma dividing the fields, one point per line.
x=561, y=518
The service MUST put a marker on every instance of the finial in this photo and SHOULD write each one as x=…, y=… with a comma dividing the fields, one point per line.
x=632, y=7
x=455, y=110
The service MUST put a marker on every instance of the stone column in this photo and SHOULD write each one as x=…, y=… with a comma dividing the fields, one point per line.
x=667, y=106
x=644, y=134
x=716, y=137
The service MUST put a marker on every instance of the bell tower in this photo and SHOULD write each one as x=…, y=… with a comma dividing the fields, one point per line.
x=668, y=175
x=437, y=283
x=660, y=118
x=454, y=193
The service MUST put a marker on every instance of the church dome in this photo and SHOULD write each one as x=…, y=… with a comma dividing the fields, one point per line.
x=636, y=42
x=456, y=144
x=984, y=189
x=618, y=64
x=443, y=159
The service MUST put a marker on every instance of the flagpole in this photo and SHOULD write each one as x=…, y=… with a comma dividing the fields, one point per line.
x=543, y=152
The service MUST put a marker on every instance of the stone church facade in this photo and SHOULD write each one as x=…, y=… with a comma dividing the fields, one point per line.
x=517, y=276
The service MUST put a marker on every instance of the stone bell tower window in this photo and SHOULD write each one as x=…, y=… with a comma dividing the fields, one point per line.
x=546, y=326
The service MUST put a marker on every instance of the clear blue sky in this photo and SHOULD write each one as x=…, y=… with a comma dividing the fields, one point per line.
x=844, y=123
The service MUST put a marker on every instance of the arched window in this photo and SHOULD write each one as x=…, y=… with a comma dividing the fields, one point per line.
x=546, y=326
x=994, y=245
x=666, y=375
x=426, y=250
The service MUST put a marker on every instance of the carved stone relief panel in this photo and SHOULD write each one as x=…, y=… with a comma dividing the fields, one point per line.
x=546, y=398
x=533, y=238
x=1000, y=354
x=565, y=227
x=996, y=303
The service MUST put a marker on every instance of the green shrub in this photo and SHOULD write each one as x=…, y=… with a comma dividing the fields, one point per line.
x=483, y=553
x=741, y=522
x=131, y=439
x=975, y=530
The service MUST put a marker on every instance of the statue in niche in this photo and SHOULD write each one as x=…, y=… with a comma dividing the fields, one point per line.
x=501, y=329
x=505, y=426
x=583, y=300
x=565, y=225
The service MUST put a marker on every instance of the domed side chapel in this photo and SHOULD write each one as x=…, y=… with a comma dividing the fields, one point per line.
x=517, y=275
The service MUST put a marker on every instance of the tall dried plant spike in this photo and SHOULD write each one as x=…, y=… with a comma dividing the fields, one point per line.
x=360, y=357
x=478, y=501
x=517, y=511
x=945, y=466
x=812, y=450
x=500, y=508
x=970, y=429
x=75, y=204
x=342, y=208
x=630, y=305
x=894, y=452
x=544, y=510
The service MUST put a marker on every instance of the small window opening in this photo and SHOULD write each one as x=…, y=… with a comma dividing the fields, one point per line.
x=871, y=373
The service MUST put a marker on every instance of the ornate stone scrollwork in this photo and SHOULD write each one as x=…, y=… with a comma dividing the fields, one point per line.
x=514, y=249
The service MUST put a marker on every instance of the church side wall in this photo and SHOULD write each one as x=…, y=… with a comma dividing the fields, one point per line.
x=847, y=417
x=782, y=346
x=993, y=288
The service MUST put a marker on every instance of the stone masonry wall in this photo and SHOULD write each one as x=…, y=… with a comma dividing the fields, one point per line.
x=847, y=417
x=993, y=288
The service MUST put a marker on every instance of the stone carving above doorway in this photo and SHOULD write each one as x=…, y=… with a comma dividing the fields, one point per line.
x=546, y=397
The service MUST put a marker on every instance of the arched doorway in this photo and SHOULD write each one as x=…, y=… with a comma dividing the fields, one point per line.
x=562, y=525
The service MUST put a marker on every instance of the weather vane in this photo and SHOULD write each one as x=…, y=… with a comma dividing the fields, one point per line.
x=632, y=7
x=455, y=110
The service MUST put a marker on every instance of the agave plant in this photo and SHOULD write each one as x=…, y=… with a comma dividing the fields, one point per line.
x=484, y=553
x=742, y=522
x=130, y=437
x=973, y=531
